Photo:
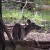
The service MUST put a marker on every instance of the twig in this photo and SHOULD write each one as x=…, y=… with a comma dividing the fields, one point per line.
x=22, y=12
x=36, y=41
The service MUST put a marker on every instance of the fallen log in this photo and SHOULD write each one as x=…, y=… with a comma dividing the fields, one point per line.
x=45, y=7
x=17, y=2
x=43, y=44
x=11, y=25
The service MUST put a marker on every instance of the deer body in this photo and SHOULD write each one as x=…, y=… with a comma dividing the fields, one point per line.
x=19, y=32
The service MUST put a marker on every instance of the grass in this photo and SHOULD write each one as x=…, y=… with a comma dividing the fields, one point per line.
x=16, y=14
x=37, y=17
x=44, y=15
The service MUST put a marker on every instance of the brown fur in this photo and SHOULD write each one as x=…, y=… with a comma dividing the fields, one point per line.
x=19, y=32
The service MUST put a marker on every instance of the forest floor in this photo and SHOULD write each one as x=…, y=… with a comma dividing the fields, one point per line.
x=38, y=36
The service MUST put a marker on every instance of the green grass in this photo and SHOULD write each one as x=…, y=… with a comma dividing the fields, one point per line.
x=37, y=17
x=44, y=15
x=40, y=18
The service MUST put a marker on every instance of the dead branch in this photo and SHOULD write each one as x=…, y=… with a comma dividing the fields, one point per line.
x=16, y=2
x=22, y=12
x=36, y=41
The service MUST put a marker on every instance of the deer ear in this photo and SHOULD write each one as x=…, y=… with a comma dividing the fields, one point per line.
x=28, y=21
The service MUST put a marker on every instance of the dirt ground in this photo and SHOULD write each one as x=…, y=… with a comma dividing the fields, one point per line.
x=30, y=37
x=34, y=36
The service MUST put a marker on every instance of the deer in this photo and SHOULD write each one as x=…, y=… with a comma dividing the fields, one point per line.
x=19, y=32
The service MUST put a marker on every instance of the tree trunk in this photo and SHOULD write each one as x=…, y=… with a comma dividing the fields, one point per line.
x=2, y=29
